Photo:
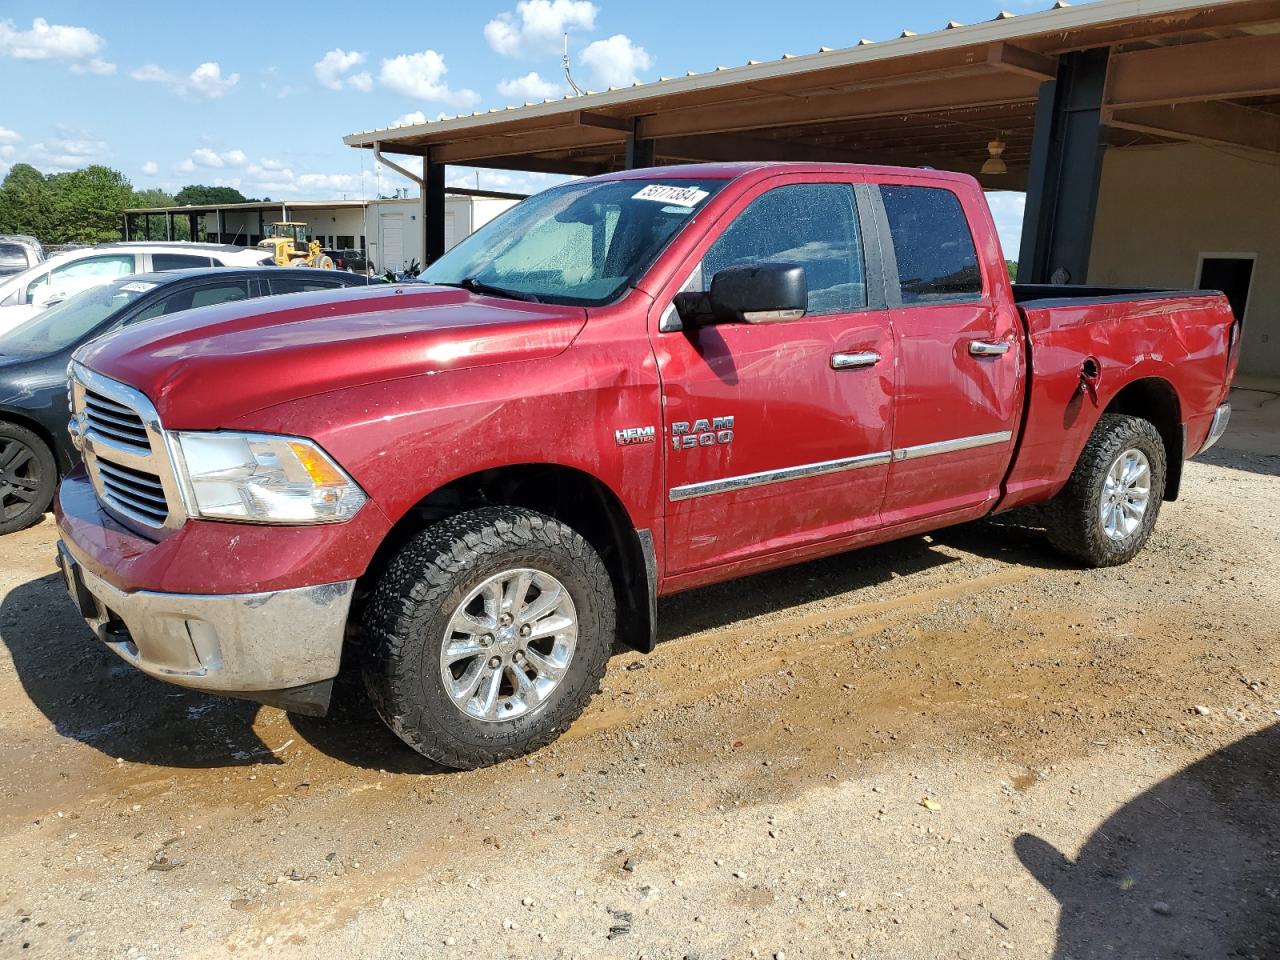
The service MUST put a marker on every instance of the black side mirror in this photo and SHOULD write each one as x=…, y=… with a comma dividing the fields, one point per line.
x=759, y=293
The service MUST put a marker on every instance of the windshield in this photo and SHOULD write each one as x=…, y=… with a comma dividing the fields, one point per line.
x=67, y=323
x=582, y=243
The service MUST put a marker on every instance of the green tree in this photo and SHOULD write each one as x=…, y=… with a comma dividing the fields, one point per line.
x=1012, y=267
x=87, y=205
x=197, y=194
x=25, y=202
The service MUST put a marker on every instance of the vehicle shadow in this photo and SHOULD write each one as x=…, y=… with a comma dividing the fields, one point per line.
x=734, y=601
x=1190, y=868
x=91, y=695
x=1016, y=537
x=354, y=734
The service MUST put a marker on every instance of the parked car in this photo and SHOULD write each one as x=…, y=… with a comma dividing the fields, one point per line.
x=23, y=294
x=35, y=448
x=623, y=387
x=18, y=253
x=353, y=260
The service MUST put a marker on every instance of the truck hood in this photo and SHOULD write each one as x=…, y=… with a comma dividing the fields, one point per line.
x=205, y=368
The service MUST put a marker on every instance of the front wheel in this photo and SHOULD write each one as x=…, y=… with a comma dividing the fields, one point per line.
x=28, y=477
x=488, y=635
x=1107, y=510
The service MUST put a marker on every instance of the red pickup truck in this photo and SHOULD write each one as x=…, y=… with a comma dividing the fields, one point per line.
x=624, y=387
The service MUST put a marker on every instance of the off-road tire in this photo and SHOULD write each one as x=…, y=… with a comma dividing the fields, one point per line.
x=410, y=608
x=1072, y=518
x=45, y=476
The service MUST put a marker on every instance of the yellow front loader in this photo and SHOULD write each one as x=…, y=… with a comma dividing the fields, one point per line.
x=289, y=247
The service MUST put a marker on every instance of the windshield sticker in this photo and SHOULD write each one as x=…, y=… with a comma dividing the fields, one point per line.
x=138, y=286
x=676, y=196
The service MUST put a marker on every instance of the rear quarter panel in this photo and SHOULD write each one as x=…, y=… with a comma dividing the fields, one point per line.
x=1183, y=340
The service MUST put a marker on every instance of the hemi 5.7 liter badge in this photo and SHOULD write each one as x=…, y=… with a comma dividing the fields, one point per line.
x=632, y=435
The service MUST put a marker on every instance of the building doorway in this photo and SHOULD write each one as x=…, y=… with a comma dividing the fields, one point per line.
x=1232, y=273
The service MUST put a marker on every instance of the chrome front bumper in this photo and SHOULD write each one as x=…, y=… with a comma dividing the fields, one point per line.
x=1221, y=417
x=256, y=645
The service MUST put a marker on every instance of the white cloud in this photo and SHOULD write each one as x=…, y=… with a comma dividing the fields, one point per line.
x=536, y=26
x=205, y=80
x=529, y=87
x=275, y=178
x=206, y=159
x=616, y=62
x=332, y=70
x=8, y=136
x=69, y=151
x=47, y=41
x=410, y=119
x=96, y=66
x=151, y=168
x=421, y=75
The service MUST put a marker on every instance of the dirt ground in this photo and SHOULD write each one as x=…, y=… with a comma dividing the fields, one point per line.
x=952, y=746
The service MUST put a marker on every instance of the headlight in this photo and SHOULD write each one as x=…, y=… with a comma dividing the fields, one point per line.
x=261, y=478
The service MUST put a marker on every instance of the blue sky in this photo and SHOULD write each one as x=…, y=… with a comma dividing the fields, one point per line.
x=260, y=96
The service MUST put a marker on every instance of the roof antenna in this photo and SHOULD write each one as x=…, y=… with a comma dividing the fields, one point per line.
x=577, y=92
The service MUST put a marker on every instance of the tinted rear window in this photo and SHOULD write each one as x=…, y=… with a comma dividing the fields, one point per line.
x=13, y=258
x=178, y=261
x=936, y=259
x=299, y=285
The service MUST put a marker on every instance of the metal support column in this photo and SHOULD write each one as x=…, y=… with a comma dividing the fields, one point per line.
x=432, y=211
x=639, y=152
x=219, y=222
x=1066, y=167
x=124, y=235
x=192, y=235
x=146, y=226
x=168, y=225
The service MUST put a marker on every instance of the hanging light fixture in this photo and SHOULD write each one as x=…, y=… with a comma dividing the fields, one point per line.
x=995, y=164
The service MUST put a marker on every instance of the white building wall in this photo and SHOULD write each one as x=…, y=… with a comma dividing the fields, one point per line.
x=1160, y=208
x=367, y=227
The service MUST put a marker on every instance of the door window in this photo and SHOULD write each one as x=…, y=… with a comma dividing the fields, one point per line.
x=814, y=225
x=106, y=267
x=936, y=259
x=189, y=299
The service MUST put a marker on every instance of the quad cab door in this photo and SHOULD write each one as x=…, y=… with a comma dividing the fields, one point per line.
x=959, y=353
x=777, y=435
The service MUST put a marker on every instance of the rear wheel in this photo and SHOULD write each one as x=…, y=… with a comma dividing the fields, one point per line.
x=1107, y=510
x=488, y=635
x=28, y=477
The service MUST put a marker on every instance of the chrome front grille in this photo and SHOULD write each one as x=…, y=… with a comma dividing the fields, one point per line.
x=140, y=491
x=114, y=420
x=125, y=452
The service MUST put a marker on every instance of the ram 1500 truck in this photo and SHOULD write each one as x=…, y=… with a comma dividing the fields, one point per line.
x=624, y=387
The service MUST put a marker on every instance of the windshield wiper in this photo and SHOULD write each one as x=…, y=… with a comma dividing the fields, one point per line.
x=479, y=286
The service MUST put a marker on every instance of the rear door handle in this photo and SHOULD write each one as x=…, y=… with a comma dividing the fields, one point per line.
x=988, y=348
x=852, y=361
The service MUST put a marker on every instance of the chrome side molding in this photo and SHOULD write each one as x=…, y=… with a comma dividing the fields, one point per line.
x=743, y=481
x=951, y=446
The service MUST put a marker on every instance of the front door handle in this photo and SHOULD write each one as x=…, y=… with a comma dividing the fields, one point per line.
x=852, y=361
x=988, y=348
